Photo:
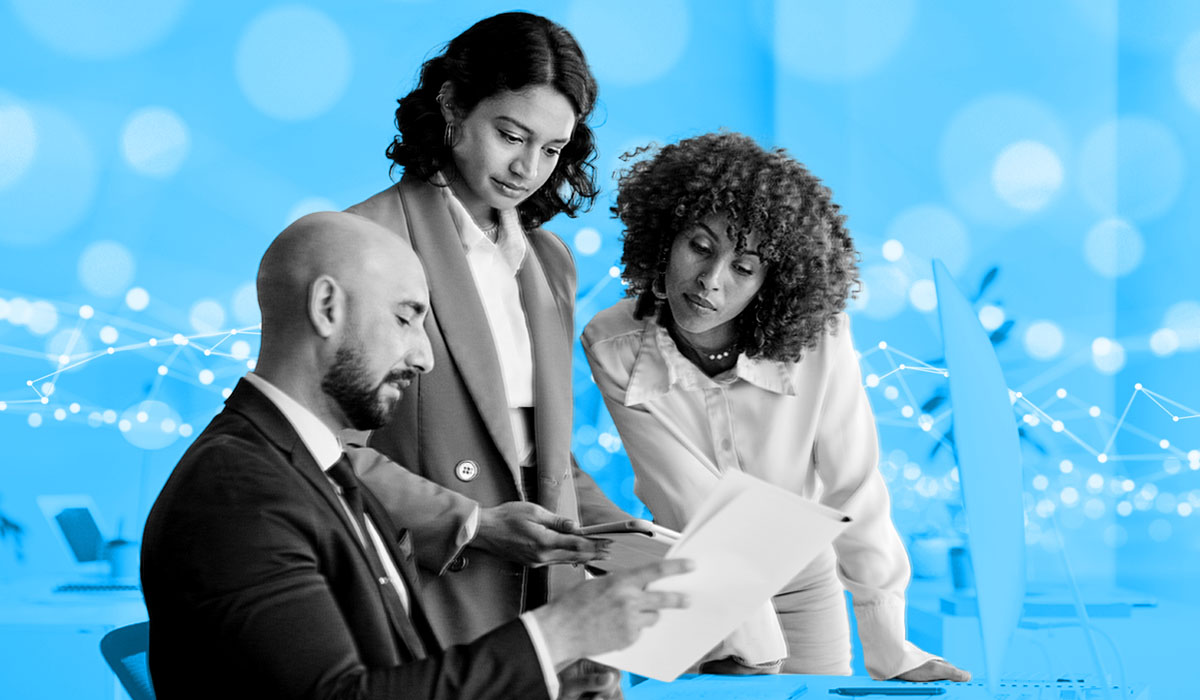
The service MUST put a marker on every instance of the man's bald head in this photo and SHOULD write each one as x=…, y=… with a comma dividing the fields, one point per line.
x=348, y=248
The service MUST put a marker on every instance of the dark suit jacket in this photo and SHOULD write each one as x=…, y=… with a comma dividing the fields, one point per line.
x=258, y=587
x=459, y=412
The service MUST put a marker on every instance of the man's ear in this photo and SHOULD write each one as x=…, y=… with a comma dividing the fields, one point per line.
x=326, y=305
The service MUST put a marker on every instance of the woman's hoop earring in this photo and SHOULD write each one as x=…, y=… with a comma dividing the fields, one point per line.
x=659, y=287
x=448, y=135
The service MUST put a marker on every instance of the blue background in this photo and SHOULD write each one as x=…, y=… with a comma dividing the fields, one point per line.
x=151, y=149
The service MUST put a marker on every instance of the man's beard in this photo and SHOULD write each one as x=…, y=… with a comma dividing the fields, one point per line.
x=347, y=383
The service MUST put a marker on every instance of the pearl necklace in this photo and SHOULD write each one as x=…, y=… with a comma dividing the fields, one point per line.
x=713, y=357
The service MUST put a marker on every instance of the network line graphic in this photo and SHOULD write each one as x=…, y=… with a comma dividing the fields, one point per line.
x=1078, y=467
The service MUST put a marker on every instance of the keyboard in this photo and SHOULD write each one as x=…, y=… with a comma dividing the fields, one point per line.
x=96, y=587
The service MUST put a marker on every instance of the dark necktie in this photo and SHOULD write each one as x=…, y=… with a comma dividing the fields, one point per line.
x=343, y=475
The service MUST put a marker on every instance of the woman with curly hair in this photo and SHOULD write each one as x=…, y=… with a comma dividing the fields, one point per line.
x=493, y=142
x=734, y=354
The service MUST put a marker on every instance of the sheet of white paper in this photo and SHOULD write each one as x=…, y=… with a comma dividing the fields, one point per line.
x=747, y=540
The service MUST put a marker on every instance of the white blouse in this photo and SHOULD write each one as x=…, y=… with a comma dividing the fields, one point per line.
x=805, y=426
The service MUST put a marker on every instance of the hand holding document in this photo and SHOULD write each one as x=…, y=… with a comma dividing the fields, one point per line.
x=747, y=540
x=632, y=543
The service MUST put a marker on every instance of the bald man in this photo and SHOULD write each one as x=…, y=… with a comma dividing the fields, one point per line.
x=269, y=572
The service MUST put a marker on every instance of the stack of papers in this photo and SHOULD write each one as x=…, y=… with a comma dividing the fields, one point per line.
x=747, y=540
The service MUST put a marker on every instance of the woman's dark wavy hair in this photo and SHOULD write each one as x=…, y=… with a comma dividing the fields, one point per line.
x=510, y=51
x=811, y=261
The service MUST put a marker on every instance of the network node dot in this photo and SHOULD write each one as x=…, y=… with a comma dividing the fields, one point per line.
x=64, y=359
x=28, y=382
x=1061, y=393
x=86, y=312
x=1057, y=426
x=1102, y=458
x=1094, y=411
x=1174, y=419
x=3, y=406
x=45, y=400
x=614, y=271
x=162, y=370
x=1164, y=443
x=902, y=366
x=153, y=342
x=883, y=345
x=179, y=339
x=207, y=352
x=907, y=411
x=232, y=331
x=110, y=350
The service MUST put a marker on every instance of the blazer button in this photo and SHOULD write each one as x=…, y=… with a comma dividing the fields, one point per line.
x=460, y=562
x=466, y=470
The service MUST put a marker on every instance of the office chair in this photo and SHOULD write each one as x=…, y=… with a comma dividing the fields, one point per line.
x=125, y=651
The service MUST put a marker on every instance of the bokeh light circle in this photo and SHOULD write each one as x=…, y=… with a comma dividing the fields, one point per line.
x=137, y=299
x=109, y=335
x=1027, y=175
x=207, y=316
x=1164, y=342
x=923, y=295
x=1043, y=340
x=1132, y=167
x=1187, y=71
x=980, y=137
x=106, y=268
x=68, y=341
x=838, y=41
x=245, y=305
x=155, y=141
x=1113, y=248
x=38, y=207
x=1184, y=319
x=1108, y=356
x=587, y=241
x=147, y=433
x=928, y=231
x=293, y=63
x=99, y=30
x=43, y=318
x=631, y=42
x=18, y=141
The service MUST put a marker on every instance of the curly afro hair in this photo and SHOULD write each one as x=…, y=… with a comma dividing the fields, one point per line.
x=510, y=51
x=811, y=261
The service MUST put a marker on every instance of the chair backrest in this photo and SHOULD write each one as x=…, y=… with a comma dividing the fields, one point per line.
x=125, y=651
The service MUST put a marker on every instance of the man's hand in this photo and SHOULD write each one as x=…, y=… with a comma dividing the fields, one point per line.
x=608, y=613
x=531, y=535
x=935, y=670
x=588, y=680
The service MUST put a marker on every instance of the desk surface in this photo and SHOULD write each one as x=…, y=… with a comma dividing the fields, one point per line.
x=34, y=602
x=791, y=687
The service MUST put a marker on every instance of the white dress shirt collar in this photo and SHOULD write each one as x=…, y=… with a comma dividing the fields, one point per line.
x=316, y=436
x=510, y=237
x=661, y=368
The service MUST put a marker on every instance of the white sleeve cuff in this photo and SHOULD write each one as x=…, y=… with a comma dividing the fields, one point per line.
x=543, y=653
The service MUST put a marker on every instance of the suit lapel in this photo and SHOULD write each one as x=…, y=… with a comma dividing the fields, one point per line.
x=551, y=372
x=250, y=402
x=463, y=321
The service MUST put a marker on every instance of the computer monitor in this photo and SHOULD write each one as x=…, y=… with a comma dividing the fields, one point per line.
x=74, y=519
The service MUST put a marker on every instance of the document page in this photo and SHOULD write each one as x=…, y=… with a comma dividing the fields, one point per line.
x=747, y=540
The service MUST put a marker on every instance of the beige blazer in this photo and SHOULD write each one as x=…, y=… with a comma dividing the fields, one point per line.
x=451, y=431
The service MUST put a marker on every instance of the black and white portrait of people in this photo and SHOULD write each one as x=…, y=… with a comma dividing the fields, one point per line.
x=742, y=203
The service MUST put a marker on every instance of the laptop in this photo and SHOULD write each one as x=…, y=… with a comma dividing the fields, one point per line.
x=74, y=519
